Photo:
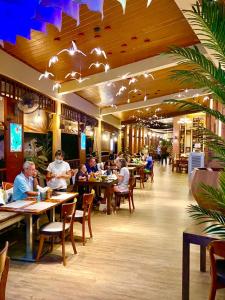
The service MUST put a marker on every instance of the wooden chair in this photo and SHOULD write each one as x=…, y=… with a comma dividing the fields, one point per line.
x=4, y=268
x=127, y=195
x=54, y=229
x=6, y=185
x=217, y=267
x=141, y=177
x=84, y=215
x=175, y=165
x=183, y=165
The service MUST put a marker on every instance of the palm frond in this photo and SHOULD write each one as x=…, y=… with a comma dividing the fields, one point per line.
x=203, y=215
x=196, y=106
x=208, y=19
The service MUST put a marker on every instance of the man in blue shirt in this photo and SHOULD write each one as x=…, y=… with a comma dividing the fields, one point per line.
x=91, y=166
x=25, y=182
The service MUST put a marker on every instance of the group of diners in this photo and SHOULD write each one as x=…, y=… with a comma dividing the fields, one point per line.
x=59, y=172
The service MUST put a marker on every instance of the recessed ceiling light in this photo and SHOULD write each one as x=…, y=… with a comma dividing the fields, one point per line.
x=97, y=36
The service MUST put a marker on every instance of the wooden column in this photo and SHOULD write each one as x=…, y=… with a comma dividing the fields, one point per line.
x=98, y=140
x=119, y=141
x=139, y=139
x=135, y=134
x=56, y=131
x=130, y=138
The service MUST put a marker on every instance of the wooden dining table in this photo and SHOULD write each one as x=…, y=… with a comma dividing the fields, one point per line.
x=30, y=208
x=107, y=184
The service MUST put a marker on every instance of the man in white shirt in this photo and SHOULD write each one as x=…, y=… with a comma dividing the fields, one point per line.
x=58, y=173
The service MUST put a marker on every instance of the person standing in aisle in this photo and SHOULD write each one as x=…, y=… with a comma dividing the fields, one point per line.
x=58, y=173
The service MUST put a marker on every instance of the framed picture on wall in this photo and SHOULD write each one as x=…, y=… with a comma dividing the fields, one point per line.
x=83, y=141
x=16, y=137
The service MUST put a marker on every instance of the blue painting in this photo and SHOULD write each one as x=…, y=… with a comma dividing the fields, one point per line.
x=83, y=141
x=16, y=137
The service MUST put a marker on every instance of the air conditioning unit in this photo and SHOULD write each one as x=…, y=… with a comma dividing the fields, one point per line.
x=195, y=160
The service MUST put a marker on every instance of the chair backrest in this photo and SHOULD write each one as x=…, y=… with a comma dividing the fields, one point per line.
x=68, y=213
x=132, y=182
x=3, y=256
x=6, y=185
x=215, y=248
x=87, y=203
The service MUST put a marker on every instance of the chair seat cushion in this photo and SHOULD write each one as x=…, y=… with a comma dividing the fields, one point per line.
x=54, y=227
x=220, y=267
x=79, y=213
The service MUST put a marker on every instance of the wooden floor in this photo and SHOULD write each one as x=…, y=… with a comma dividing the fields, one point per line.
x=134, y=256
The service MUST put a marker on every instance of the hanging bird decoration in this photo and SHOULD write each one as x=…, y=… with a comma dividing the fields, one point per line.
x=46, y=75
x=132, y=80
x=53, y=60
x=97, y=65
x=72, y=74
x=99, y=52
x=72, y=51
x=134, y=91
x=149, y=2
x=80, y=80
x=123, y=88
x=56, y=86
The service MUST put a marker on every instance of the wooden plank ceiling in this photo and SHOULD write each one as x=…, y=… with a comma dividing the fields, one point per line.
x=138, y=34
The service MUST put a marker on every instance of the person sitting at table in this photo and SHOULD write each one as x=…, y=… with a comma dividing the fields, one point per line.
x=107, y=167
x=81, y=175
x=26, y=182
x=123, y=176
x=58, y=173
x=91, y=166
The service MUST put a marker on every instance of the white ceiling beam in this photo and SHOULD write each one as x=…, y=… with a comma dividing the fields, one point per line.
x=150, y=102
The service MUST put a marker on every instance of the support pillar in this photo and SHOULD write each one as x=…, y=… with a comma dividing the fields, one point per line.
x=98, y=140
x=56, y=131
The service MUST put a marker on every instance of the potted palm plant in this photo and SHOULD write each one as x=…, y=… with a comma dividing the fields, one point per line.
x=208, y=18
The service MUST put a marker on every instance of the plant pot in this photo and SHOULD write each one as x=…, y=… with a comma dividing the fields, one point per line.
x=209, y=177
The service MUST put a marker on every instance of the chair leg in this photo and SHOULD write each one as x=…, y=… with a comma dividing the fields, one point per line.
x=83, y=232
x=72, y=240
x=63, y=250
x=129, y=204
x=89, y=227
x=132, y=199
x=212, y=294
x=52, y=243
x=40, y=247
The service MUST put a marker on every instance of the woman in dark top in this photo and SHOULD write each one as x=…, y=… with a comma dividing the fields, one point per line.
x=81, y=175
x=107, y=167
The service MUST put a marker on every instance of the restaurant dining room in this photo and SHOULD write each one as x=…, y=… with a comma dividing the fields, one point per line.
x=112, y=149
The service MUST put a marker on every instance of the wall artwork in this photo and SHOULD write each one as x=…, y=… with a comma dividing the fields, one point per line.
x=16, y=137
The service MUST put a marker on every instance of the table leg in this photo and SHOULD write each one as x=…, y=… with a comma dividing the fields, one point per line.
x=202, y=258
x=108, y=200
x=52, y=215
x=185, y=268
x=29, y=238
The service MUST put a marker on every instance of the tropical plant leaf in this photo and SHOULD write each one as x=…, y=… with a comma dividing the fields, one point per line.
x=196, y=106
x=203, y=215
x=208, y=19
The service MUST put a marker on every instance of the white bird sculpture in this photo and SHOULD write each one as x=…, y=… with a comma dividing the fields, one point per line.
x=80, y=80
x=146, y=75
x=132, y=80
x=99, y=52
x=45, y=75
x=73, y=50
x=134, y=91
x=56, y=86
x=97, y=65
x=72, y=74
x=149, y=2
x=124, y=76
x=54, y=59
